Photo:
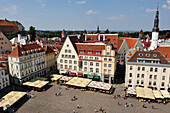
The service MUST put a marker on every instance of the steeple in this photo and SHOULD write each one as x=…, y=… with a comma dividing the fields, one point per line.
x=156, y=21
x=98, y=29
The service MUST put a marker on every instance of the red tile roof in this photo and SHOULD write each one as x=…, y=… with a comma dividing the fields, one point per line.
x=159, y=56
x=17, y=52
x=7, y=23
x=2, y=59
x=58, y=46
x=49, y=50
x=141, y=31
x=130, y=41
x=164, y=50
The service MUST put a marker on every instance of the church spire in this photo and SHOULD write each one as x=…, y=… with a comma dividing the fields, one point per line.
x=156, y=21
x=98, y=29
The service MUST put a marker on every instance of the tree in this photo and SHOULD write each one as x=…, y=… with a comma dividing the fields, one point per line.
x=168, y=36
x=11, y=36
x=32, y=32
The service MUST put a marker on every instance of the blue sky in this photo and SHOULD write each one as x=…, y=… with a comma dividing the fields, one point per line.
x=86, y=14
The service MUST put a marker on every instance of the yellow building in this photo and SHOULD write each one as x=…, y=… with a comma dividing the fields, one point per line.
x=108, y=63
x=50, y=60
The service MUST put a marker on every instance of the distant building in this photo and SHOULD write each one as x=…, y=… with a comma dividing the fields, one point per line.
x=5, y=45
x=22, y=40
x=141, y=34
x=63, y=34
x=26, y=62
x=7, y=26
x=147, y=69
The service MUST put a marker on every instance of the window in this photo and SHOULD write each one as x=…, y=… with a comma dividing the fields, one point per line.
x=65, y=66
x=163, y=77
x=154, y=83
x=155, y=77
x=69, y=51
x=70, y=61
x=89, y=52
x=85, y=68
x=91, y=69
x=143, y=68
x=131, y=67
x=91, y=63
x=163, y=83
x=97, y=70
x=164, y=70
x=109, y=71
x=73, y=56
x=81, y=57
x=1, y=42
x=5, y=42
x=105, y=59
x=147, y=55
x=142, y=81
x=151, y=69
x=97, y=52
x=108, y=53
x=138, y=75
x=91, y=57
x=110, y=59
x=150, y=82
x=150, y=76
x=65, y=61
x=130, y=74
x=156, y=69
x=96, y=58
x=138, y=68
x=110, y=65
x=105, y=65
x=65, y=50
x=154, y=55
x=130, y=81
x=140, y=54
x=81, y=51
x=166, y=56
x=142, y=75
x=105, y=70
x=75, y=62
x=85, y=63
x=137, y=82
x=61, y=61
x=62, y=55
x=97, y=64
x=75, y=68
x=67, y=45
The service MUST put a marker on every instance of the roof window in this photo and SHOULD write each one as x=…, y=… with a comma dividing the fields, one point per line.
x=154, y=55
x=147, y=55
x=140, y=54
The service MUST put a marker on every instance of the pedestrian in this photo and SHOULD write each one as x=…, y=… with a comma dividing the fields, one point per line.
x=78, y=106
x=153, y=107
x=130, y=104
x=74, y=111
x=100, y=108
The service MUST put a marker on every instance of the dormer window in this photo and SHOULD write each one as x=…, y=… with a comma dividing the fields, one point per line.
x=28, y=52
x=32, y=51
x=154, y=55
x=147, y=55
x=140, y=54
x=23, y=52
x=89, y=51
x=39, y=49
x=36, y=50
x=82, y=50
x=98, y=51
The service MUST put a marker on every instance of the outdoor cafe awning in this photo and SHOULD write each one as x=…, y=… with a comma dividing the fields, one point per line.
x=96, y=77
x=157, y=94
x=37, y=83
x=79, y=82
x=80, y=74
x=56, y=77
x=66, y=78
x=100, y=85
x=90, y=76
x=165, y=93
x=72, y=74
x=11, y=98
x=144, y=93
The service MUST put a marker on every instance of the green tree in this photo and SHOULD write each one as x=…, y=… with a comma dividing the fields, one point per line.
x=11, y=36
x=168, y=36
x=32, y=32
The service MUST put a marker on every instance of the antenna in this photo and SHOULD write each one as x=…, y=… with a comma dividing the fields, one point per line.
x=157, y=5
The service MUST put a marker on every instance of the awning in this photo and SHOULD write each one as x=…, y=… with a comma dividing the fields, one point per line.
x=157, y=94
x=72, y=74
x=165, y=93
x=90, y=76
x=80, y=74
x=96, y=77
x=144, y=93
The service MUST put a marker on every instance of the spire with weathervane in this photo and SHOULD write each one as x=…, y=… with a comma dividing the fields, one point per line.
x=155, y=31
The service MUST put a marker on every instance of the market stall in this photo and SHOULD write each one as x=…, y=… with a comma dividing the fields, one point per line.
x=158, y=96
x=79, y=82
x=131, y=91
x=55, y=78
x=145, y=93
x=100, y=86
x=11, y=98
x=65, y=79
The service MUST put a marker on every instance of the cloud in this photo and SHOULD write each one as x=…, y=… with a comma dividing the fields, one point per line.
x=150, y=10
x=81, y=2
x=120, y=17
x=90, y=12
x=42, y=5
x=12, y=9
x=166, y=6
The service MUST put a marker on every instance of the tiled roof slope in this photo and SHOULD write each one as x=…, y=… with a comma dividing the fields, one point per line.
x=164, y=51
x=134, y=57
x=17, y=52
x=7, y=23
x=58, y=46
x=49, y=50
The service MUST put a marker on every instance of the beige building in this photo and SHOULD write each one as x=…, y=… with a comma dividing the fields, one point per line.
x=5, y=44
x=50, y=60
x=148, y=69
x=108, y=63
x=26, y=62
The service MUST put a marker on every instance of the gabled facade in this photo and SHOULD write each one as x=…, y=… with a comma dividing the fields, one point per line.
x=26, y=62
x=5, y=44
x=67, y=61
x=4, y=77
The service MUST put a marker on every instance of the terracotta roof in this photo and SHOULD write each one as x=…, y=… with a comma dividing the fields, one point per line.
x=62, y=39
x=1, y=65
x=58, y=46
x=159, y=56
x=120, y=41
x=63, y=32
x=17, y=52
x=130, y=41
x=49, y=50
x=88, y=47
x=2, y=59
x=141, y=31
x=165, y=51
x=7, y=23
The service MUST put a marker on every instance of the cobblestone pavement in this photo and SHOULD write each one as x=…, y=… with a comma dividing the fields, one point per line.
x=47, y=102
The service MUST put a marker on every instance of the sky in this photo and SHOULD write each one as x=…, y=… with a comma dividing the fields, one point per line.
x=126, y=15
